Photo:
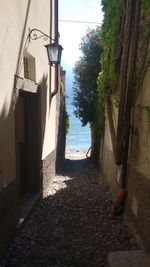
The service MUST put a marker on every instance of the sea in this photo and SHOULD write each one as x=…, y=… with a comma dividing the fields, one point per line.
x=79, y=137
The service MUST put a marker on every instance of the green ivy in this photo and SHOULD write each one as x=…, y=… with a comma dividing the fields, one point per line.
x=63, y=99
x=67, y=123
x=111, y=44
x=111, y=40
x=143, y=53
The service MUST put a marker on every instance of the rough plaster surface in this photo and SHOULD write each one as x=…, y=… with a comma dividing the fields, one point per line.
x=109, y=169
x=137, y=206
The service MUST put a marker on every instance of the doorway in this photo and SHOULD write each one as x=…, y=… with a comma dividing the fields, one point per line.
x=28, y=148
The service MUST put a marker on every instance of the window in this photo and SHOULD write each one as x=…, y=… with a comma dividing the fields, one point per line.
x=29, y=67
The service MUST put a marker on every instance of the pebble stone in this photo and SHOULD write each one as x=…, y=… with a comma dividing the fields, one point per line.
x=70, y=226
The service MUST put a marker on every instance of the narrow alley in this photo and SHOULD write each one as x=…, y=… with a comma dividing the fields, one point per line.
x=70, y=226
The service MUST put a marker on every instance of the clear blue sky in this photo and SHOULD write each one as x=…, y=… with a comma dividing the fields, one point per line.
x=71, y=33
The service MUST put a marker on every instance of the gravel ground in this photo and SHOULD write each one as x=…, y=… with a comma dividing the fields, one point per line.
x=70, y=226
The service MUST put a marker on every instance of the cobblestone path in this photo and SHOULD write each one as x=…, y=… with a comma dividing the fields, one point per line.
x=70, y=227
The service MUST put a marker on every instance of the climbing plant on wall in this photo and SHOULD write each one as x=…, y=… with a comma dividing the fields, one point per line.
x=143, y=53
x=124, y=62
x=110, y=58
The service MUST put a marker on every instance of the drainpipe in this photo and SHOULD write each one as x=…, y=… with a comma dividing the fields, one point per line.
x=51, y=13
x=120, y=199
x=50, y=34
x=131, y=84
x=55, y=24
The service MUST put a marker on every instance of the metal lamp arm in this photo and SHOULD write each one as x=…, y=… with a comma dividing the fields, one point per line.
x=35, y=34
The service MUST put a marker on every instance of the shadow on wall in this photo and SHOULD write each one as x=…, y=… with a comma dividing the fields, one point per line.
x=22, y=39
x=61, y=131
x=47, y=163
x=43, y=100
x=9, y=195
x=4, y=111
x=9, y=170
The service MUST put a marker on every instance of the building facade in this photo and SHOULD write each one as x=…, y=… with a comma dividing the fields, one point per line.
x=125, y=153
x=28, y=108
x=138, y=169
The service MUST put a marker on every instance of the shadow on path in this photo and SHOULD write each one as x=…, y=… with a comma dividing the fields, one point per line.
x=70, y=227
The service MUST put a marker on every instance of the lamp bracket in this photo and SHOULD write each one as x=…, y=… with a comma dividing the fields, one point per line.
x=35, y=34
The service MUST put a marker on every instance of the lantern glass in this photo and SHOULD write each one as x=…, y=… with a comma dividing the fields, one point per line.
x=54, y=53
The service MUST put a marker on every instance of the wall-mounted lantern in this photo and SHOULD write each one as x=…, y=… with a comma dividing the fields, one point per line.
x=54, y=53
x=54, y=50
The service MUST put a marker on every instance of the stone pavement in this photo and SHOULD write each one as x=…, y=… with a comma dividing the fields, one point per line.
x=70, y=226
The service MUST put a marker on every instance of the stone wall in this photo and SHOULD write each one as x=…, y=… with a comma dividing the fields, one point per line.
x=138, y=181
x=49, y=166
x=137, y=207
x=138, y=170
x=9, y=214
x=138, y=178
x=109, y=170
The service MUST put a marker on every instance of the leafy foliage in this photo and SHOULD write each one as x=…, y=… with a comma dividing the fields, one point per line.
x=111, y=43
x=143, y=53
x=67, y=123
x=63, y=102
x=85, y=77
x=110, y=57
x=125, y=59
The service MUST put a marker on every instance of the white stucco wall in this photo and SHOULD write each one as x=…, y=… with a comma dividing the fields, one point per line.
x=16, y=18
